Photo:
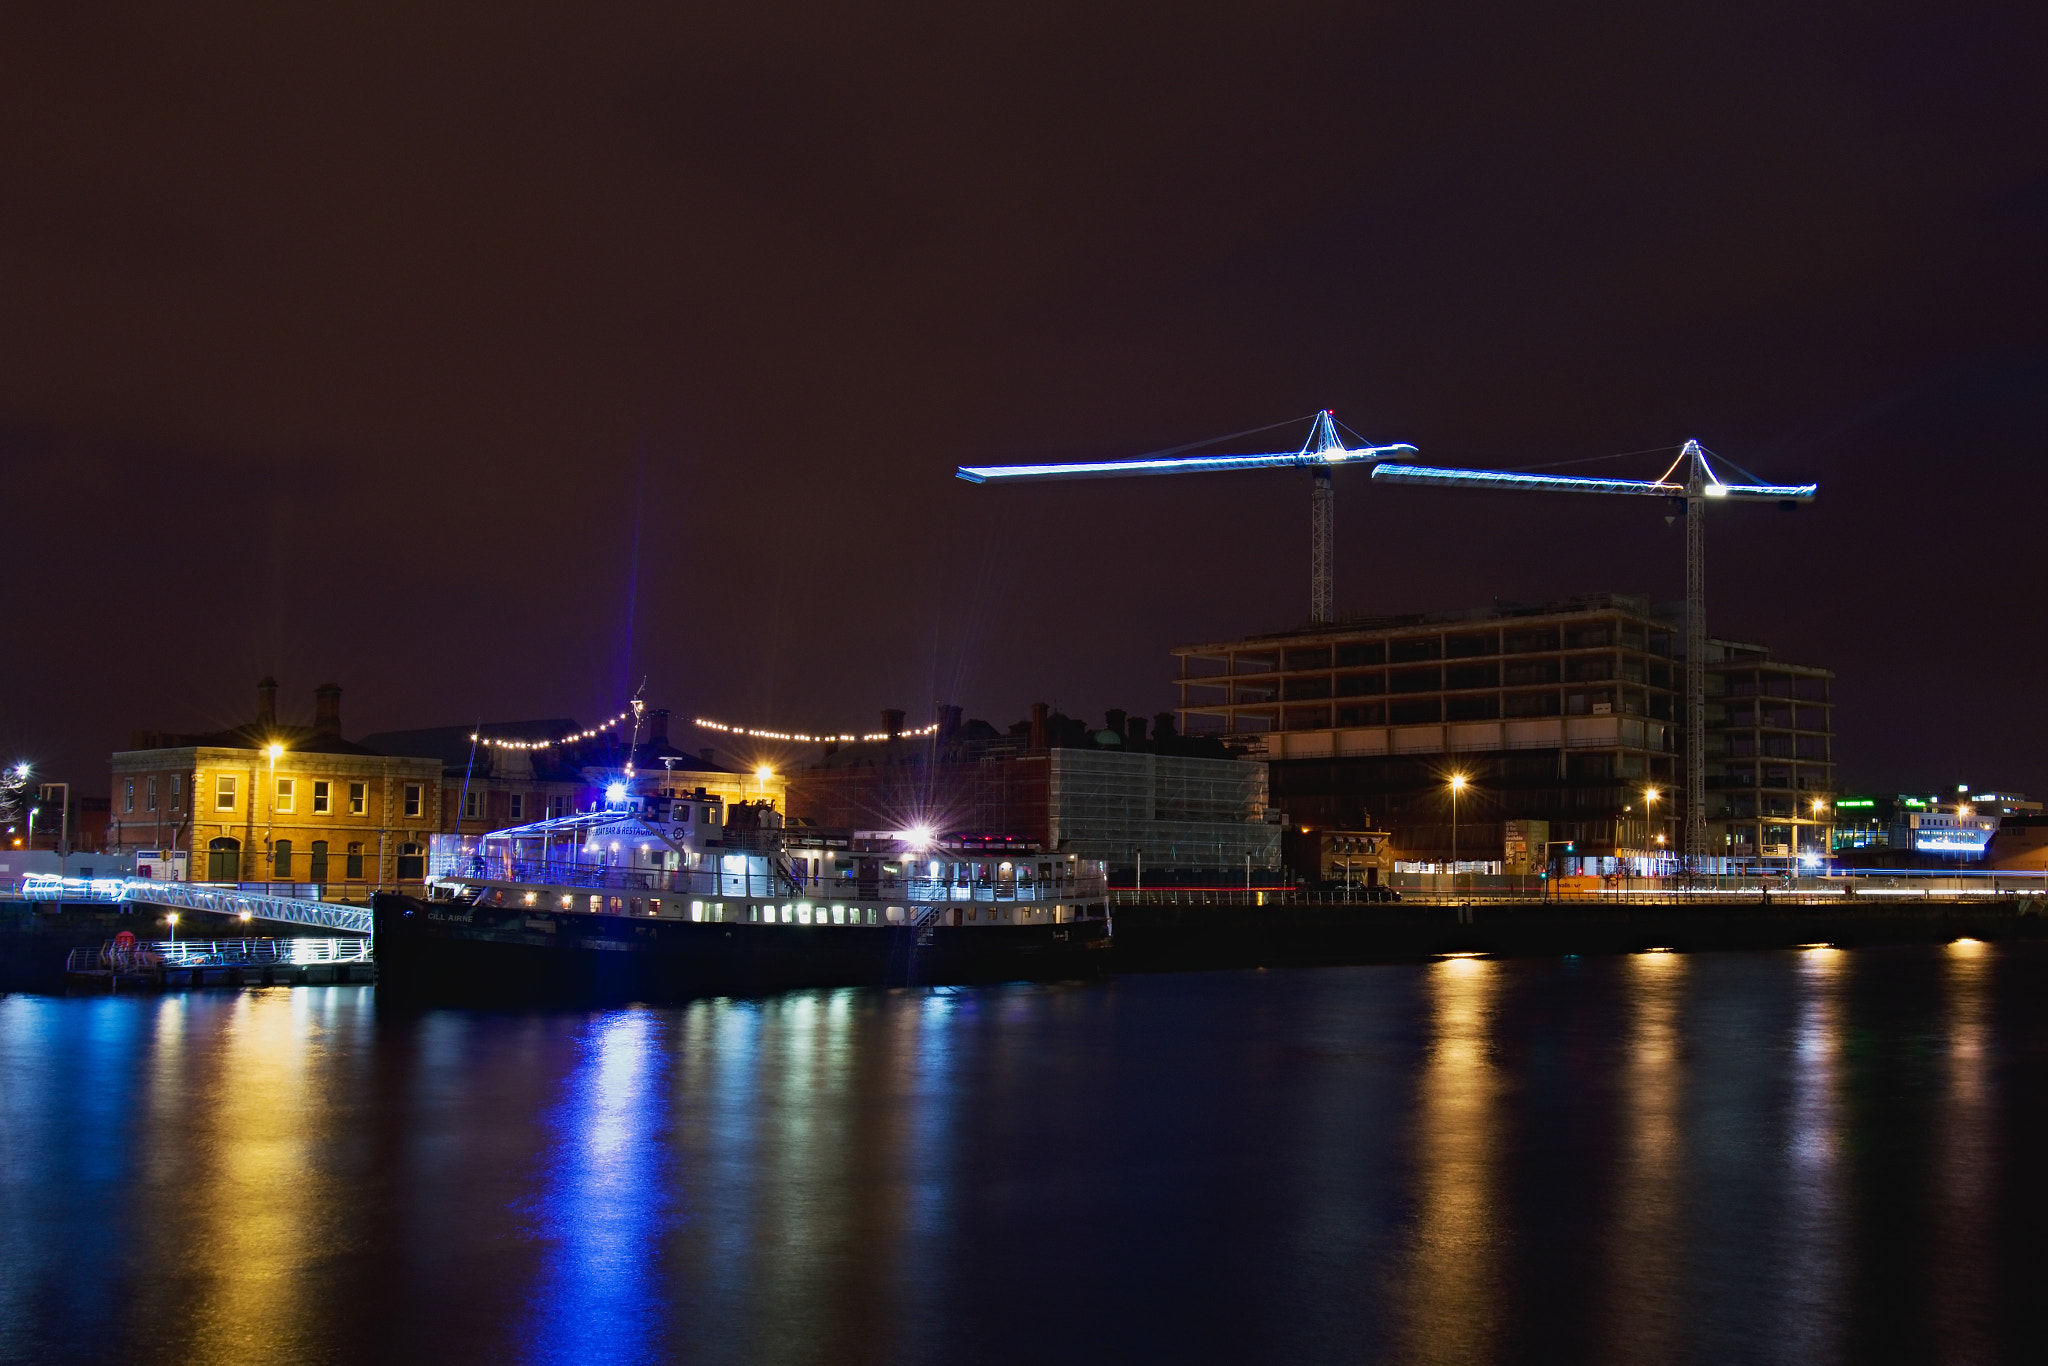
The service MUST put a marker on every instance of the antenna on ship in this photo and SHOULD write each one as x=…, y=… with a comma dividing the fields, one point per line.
x=639, y=709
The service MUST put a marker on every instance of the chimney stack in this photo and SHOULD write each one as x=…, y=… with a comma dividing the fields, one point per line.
x=266, y=704
x=327, y=710
x=1163, y=726
x=892, y=722
x=1116, y=716
x=657, y=726
x=1038, y=725
x=949, y=719
x=1135, y=730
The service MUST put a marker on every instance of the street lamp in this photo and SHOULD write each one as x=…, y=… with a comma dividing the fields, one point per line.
x=1457, y=788
x=1650, y=795
x=276, y=752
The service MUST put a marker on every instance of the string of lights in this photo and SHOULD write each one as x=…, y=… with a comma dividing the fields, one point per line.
x=590, y=734
x=797, y=737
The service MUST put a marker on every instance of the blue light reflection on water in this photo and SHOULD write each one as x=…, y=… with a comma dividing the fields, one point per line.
x=604, y=1200
x=68, y=1085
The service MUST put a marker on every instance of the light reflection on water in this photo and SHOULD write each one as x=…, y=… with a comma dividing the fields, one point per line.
x=604, y=1199
x=1450, y=1302
x=1646, y=1289
x=1661, y=1157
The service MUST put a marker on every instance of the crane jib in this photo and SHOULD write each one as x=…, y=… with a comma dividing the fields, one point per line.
x=1185, y=464
x=1552, y=483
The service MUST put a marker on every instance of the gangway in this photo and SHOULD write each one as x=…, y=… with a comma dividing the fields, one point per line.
x=199, y=896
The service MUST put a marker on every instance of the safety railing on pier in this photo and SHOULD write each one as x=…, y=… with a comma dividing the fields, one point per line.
x=1887, y=886
x=196, y=896
x=144, y=957
x=139, y=957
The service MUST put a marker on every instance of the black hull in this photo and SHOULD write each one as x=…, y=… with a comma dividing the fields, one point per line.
x=445, y=951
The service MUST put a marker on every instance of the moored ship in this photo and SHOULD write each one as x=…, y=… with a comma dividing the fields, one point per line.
x=661, y=893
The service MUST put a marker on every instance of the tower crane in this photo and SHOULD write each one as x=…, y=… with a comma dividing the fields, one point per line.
x=1691, y=483
x=1321, y=454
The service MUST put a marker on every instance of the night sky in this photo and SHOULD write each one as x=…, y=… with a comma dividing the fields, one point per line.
x=483, y=360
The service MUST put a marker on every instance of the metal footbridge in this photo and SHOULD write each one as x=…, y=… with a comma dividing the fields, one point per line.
x=199, y=896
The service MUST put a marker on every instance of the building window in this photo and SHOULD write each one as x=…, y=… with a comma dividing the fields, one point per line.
x=149, y=793
x=224, y=860
x=472, y=805
x=413, y=799
x=358, y=798
x=281, y=861
x=316, y=870
x=354, y=870
x=177, y=789
x=518, y=806
x=287, y=789
x=224, y=793
x=129, y=799
x=323, y=799
x=412, y=861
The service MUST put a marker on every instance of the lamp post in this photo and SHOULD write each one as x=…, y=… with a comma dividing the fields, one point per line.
x=275, y=752
x=1457, y=788
x=1826, y=841
x=1650, y=795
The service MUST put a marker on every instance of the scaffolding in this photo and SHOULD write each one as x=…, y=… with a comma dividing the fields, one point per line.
x=1178, y=812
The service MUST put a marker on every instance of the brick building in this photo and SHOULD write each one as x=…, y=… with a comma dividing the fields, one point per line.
x=275, y=802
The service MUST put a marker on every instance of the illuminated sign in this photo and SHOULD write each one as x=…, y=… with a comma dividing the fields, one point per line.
x=1951, y=843
x=1857, y=802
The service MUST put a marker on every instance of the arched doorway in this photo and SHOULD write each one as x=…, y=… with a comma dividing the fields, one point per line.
x=317, y=869
x=281, y=860
x=224, y=860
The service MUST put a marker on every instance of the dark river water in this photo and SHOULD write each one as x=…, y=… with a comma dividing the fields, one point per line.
x=1804, y=1156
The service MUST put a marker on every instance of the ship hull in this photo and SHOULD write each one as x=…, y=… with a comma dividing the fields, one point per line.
x=438, y=950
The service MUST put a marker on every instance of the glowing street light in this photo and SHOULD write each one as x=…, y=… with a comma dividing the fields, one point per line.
x=1457, y=789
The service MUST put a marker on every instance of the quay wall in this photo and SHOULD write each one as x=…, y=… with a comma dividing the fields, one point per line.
x=1167, y=938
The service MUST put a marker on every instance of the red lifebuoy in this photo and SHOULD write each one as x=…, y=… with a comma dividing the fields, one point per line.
x=124, y=940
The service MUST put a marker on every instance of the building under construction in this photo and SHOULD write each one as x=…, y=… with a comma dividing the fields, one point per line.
x=1568, y=713
x=1128, y=793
